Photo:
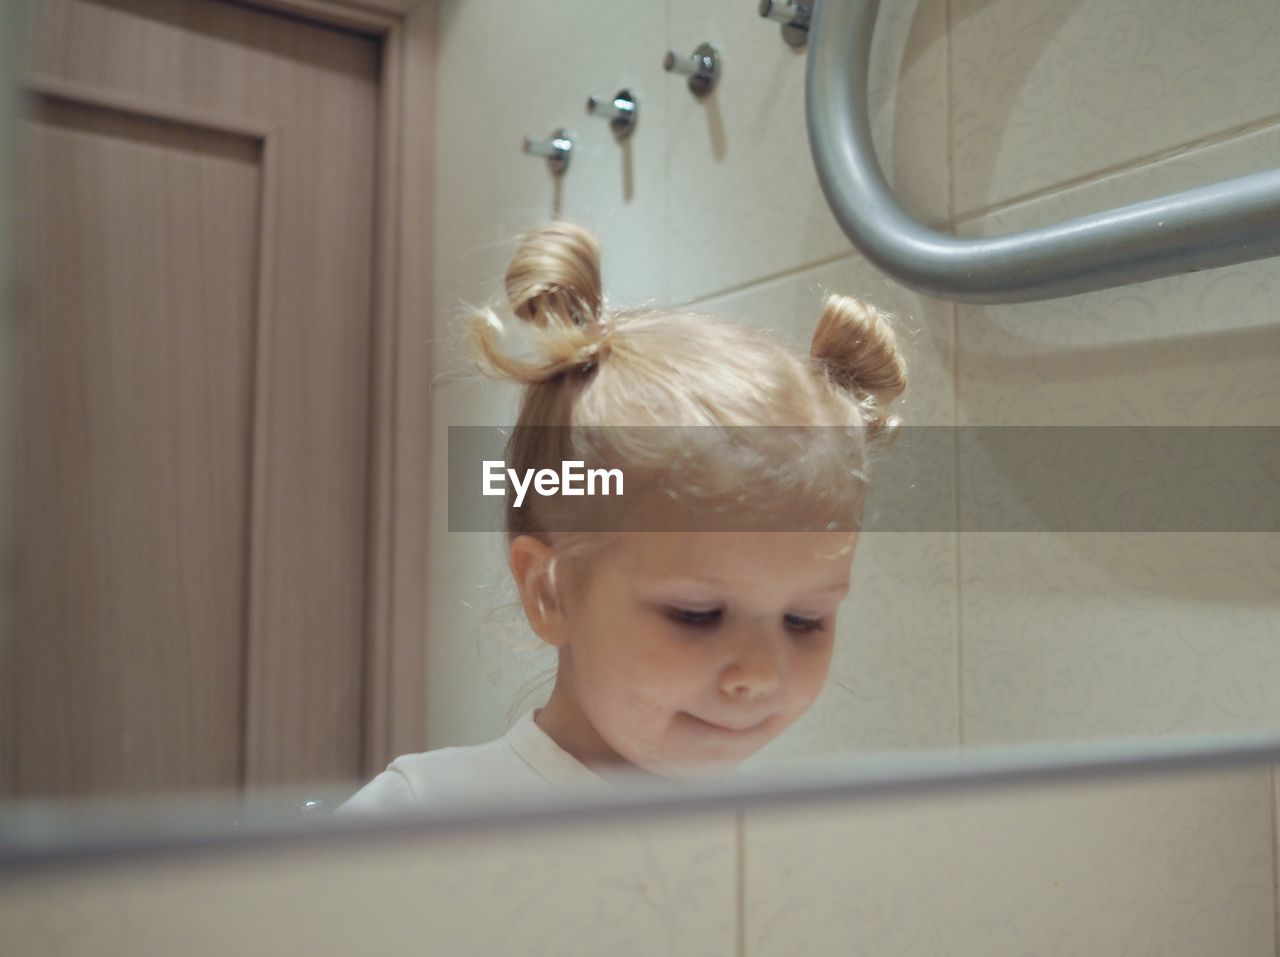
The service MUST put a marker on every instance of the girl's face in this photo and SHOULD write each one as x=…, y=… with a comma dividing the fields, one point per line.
x=687, y=652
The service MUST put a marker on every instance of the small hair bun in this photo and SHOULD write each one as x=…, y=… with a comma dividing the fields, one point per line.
x=554, y=277
x=553, y=282
x=856, y=345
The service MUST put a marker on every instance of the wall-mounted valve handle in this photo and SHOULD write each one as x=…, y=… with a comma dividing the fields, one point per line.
x=620, y=110
x=794, y=17
x=556, y=148
x=702, y=68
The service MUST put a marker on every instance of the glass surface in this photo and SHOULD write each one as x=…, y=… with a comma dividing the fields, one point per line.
x=1012, y=583
x=1177, y=860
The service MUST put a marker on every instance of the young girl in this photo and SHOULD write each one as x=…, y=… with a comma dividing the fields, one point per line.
x=694, y=616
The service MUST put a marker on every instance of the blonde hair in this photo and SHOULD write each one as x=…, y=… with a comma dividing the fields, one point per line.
x=598, y=370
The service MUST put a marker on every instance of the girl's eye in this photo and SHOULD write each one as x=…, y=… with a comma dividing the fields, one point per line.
x=703, y=619
x=695, y=619
x=796, y=623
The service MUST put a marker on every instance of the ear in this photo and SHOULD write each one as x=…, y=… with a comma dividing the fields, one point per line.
x=531, y=566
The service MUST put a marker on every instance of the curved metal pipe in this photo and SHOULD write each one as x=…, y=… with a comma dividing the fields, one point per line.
x=1233, y=221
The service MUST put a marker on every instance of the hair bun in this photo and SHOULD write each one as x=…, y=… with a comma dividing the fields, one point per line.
x=554, y=277
x=856, y=345
x=553, y=282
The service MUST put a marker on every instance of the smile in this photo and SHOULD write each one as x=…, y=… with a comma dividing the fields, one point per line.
x=723, y=728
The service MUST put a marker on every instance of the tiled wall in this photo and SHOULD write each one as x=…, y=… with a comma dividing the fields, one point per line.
x=710, y=202
x=626, y=888
x=1164, y=866
x=1172, y=866
x=1095, y=105
x=990, y=115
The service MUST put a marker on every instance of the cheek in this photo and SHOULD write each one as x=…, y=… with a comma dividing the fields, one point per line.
x=636, y=666
x=663, y=670
x=810, y=671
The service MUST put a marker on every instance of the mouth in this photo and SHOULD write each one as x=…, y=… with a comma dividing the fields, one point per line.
x=728, y=729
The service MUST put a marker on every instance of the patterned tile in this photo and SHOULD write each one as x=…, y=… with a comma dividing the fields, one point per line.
x=1176, y=866
x=1045, y=92
x=744, y=198
x=628, y=888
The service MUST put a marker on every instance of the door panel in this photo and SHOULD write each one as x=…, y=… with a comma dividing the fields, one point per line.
x=131, y=589
x=191, y=533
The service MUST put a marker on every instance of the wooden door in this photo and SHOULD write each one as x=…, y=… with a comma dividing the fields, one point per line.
x=192, y=423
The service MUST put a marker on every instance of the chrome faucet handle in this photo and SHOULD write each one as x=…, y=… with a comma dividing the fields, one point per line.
x=702, y=68
x=620, y=111
x=794, y=17
x=556, y=148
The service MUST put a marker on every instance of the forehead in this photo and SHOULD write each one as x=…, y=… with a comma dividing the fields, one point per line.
x=734, y=557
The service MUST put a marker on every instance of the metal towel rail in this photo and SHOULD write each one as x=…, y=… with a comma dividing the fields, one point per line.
x=1228, y=222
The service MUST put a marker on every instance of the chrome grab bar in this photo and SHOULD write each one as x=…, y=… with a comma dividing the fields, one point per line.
x=1232, y=221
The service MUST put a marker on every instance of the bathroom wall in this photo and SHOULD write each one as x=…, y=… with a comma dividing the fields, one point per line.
x=1159, y=866
x=1065, y=108
x=712, y=203
x=989, y=115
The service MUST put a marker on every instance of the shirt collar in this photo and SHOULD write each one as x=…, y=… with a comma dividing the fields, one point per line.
x=540, y=751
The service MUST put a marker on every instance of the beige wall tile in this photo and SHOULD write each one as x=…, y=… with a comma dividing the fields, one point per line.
x=1195, y=349
x=1089, y=635
x=464, y=267
x=1173, y=867
x=643, y=887
x=548, y=60
x=1116, y=635
x=1047, y=92
x=744, y=199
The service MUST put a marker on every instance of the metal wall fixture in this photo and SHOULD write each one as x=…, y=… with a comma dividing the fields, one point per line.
x=620, y=110
x=702, y=68
x=556, y=148
x=1232, y=221
x=794, y=17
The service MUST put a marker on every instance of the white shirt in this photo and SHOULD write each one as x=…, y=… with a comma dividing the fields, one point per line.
x=525, y=758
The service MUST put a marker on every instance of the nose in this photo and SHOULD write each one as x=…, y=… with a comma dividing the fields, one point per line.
x=755, y=671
